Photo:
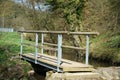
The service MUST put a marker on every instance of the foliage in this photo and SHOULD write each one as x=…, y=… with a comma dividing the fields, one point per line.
x=69, y=14
x=6, y=13
x=9, y=56
x=107, y=48
x=70, y=10
x=103, y=16
x=115, y=10
x=10, y=48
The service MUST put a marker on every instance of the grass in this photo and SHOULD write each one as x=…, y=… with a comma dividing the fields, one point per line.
x=106, y=47
x=11, y=42
x=10, y=48
x=10, y=45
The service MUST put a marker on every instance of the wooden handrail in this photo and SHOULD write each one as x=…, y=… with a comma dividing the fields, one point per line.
x=72, y=47
x=54, y=49
x=50, y=49
x=28, y=44
x=50, y=44
x=60, y=32
x=64, y=46
x=39, y=46
x=58, y=45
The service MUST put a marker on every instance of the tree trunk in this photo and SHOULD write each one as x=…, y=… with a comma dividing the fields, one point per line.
x=77, y=43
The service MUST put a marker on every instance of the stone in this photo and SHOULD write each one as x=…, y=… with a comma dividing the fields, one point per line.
x=30, y=72
x=72, y=76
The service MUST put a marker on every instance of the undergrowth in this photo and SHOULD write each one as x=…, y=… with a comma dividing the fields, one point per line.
x=106, y=47
x=9, y=52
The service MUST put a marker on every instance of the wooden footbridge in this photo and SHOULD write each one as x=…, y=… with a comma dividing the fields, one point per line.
x=56, y=62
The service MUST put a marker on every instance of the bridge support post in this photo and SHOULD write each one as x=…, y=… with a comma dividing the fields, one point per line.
x=59, y=55
x=21, y=47
x=87, y=50
x=36, y=48
x=42, y=43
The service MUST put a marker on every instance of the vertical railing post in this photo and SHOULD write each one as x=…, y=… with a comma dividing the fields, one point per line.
x=36, y=48
x=87, y=50
x=21, y=47
x=59, y=55
x=42, y=43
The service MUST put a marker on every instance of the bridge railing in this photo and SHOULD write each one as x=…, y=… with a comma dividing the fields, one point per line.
x=58, y=45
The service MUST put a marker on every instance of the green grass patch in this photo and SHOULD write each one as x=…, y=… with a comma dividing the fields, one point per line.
x=11, y=42
x=10, y=48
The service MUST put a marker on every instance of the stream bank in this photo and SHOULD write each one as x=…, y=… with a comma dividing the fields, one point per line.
x=101, y=73
x=16, y=72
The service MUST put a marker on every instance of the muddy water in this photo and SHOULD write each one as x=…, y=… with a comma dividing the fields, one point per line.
x=37, y=77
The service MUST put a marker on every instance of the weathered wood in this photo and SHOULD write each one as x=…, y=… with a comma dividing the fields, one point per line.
x=73, y=76
x=60, y=32
x=49, y=48
x=66, y=65
x=28, y=44
x=84, y=33
x=54, y=49
x=50, y=44
x=39, y=46
x=64, y=46
x=72, y=47
x=46, y=32
x=82, y=69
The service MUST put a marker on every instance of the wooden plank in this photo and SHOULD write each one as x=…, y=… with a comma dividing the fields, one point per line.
x=28, y=44
x=74, y=76
x=72, y=47
x=59, y=32
x=82, y=74
x=50, y=44
x=41, y=59
x=82, y=69
x=64, y=46
x=45, y=32
x=67, y=65
x=45, y=47
x=84, y=33
x=49, y=48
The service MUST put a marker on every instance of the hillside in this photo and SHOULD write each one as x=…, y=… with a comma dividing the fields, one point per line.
x=11, y=67
x=102, y=16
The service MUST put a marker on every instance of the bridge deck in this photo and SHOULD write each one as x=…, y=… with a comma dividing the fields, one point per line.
x=66, y=65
